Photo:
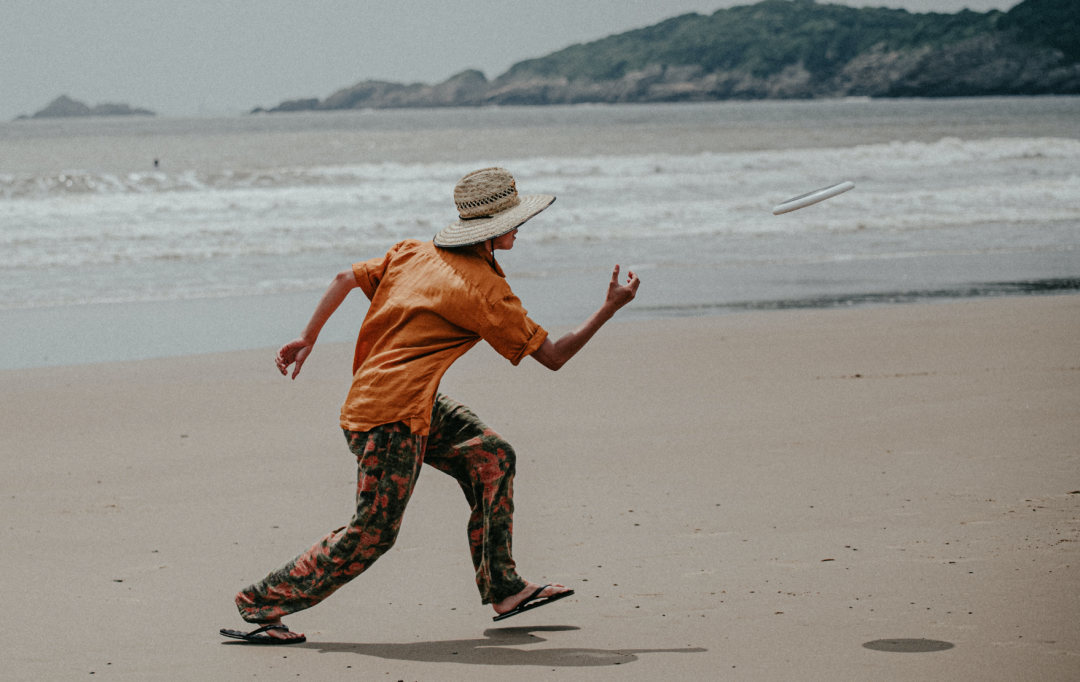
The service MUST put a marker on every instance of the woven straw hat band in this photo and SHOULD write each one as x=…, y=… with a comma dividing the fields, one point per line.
x=485, y=192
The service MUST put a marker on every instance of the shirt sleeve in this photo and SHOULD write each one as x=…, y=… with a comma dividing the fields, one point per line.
x=371, y=272
x=510, y=331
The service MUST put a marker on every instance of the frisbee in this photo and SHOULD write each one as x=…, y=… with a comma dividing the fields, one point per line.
x=804, y=200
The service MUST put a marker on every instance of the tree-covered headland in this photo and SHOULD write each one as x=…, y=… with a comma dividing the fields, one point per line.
x=779, y=49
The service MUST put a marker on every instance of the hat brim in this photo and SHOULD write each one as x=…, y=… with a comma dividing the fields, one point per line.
x=476, y=230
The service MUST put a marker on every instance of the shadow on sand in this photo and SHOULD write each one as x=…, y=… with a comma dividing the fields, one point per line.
x=908, y=646
x=496, y=649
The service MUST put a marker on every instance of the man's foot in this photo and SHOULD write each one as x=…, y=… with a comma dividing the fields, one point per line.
x=529, y=593
x=270, y=632
x=280, y=634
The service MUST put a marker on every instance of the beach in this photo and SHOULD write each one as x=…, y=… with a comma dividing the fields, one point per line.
x=884, y=493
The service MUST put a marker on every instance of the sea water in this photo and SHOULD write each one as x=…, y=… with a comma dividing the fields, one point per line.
x=953, y=198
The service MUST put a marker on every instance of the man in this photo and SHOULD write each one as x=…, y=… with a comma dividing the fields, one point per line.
x=430, y=303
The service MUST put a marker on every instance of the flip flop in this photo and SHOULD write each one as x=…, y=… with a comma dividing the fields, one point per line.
x=254, y=637
x=534, y=601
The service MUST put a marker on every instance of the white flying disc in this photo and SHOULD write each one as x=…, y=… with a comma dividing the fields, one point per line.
x=804, y=200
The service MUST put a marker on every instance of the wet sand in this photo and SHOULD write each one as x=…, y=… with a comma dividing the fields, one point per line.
x=881, y=494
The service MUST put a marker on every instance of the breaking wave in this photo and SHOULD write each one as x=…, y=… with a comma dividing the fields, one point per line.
x=903, y=190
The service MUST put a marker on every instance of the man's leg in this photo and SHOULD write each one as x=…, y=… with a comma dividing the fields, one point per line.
x=389, y=459
x=483, y=464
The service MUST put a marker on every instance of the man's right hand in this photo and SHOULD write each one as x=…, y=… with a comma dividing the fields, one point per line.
x=293, y=352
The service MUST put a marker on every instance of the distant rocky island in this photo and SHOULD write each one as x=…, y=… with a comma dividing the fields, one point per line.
x=775, y=49
x=64, y=106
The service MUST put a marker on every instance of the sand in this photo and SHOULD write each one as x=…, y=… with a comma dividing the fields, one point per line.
x=755, y=497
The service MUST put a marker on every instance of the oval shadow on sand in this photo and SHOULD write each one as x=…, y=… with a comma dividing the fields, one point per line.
x=500, y=646
x=908, y=646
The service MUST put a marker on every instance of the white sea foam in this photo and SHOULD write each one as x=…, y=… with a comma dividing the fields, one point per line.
x=85, y=219
x=78, y=219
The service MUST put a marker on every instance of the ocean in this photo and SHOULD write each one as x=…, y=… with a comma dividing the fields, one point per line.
x=227, y=242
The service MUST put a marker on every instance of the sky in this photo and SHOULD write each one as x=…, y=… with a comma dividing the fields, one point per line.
x=214, y=57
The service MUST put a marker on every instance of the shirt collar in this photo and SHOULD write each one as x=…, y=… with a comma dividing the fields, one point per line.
x=481, y=251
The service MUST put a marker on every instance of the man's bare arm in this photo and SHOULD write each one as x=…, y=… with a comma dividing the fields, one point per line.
x=555, y=355
x=298, y=350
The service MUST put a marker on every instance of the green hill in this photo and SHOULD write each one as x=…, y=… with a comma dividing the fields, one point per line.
x=776, y=49
x=1053, y=24
x=760, y=40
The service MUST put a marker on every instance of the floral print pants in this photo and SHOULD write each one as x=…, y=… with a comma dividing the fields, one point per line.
x=389, y=459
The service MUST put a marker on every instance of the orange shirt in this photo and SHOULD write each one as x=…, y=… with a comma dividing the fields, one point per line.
x=428, y=307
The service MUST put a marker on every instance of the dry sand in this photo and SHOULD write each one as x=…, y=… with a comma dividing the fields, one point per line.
x=749, y=497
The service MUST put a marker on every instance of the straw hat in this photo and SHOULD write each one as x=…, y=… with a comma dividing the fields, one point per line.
x=488, y=206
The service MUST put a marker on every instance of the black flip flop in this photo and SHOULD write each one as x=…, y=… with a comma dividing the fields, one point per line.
x=255, y=636
x=534, y=601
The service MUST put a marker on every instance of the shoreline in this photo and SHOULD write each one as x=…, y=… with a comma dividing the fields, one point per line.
x=100, y=333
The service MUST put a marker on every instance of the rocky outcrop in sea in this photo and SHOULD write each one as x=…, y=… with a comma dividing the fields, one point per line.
x=64, y=106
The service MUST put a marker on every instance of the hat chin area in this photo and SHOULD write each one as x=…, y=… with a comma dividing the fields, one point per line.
x=475, y=230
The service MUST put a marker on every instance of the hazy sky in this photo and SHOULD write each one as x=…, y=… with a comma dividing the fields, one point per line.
x=188, y=57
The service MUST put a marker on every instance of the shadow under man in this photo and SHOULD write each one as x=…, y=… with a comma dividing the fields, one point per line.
x=496, y=649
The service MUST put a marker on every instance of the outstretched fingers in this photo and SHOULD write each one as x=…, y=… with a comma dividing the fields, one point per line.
x=619, y=294
x=632, y=280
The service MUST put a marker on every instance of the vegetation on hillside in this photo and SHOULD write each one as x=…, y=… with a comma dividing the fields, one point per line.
x=775, y=49
x=1047, y=23
x=764, y=38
